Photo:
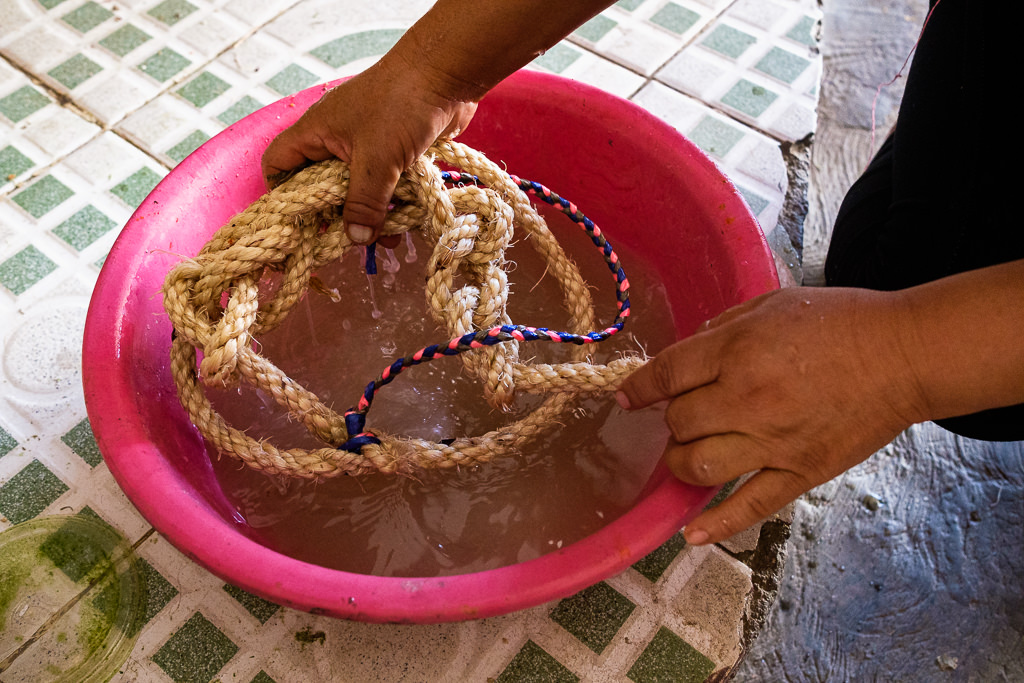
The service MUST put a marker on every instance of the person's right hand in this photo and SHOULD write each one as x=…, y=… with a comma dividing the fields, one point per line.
x=379, y=122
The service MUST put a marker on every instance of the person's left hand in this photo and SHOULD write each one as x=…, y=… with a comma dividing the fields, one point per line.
x=797, y=385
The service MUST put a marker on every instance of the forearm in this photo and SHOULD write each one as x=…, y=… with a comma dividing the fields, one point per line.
x=466, y=47
x=964, y=339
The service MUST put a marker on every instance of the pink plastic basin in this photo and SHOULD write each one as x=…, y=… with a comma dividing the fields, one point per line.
x=646, y=186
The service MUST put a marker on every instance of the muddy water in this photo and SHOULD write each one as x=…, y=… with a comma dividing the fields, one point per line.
x=579, y=477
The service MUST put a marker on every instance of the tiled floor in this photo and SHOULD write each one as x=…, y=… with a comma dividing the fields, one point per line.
x=98, y=100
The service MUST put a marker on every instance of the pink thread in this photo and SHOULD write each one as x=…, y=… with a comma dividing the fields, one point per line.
x=899, y=74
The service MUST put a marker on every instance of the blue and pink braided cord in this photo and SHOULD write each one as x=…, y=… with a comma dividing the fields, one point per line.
x=355, y=419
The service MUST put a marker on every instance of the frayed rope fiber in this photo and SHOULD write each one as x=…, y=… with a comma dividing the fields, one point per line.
x=467, y=218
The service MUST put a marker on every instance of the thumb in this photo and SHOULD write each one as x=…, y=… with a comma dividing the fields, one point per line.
x=371, y=185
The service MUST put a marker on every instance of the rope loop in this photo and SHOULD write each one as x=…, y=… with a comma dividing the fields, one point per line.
x=467, y=217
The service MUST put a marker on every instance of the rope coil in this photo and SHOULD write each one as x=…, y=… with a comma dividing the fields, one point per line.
x=213, y=303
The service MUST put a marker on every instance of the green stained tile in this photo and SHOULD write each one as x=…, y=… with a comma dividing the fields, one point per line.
x=159, y=590
x=12, y=164
x=75, y=554
x=804, y=31
x=24, y=269
x=125, y=39
x=594, y=615
x=749, y=98
x=596, y=29
x=675, y=18
x=357, y=46
x=75, y=71
x=239, y=110
x=670, y=659
x=7, y=442
x=164, y=64
x=22, y=102
x=196, y=651
x=629, y=5
x=255, y=605
x=50, y=4
x=204, y=89
x=715, y=137
x=262, y=677
x=756, y=202
x=654, y=565
x=84, y=228
x=558, y=58
x=80, y=439
x=728, y=41
x=292, y=79
x=532, y=664
x=783, y=65
x=87, y=17
x=188, y=145
x=172, y=11
x=30, y=491
x=137, y=186
x=42, y=196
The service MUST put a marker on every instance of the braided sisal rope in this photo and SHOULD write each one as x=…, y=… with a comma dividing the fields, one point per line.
x=297, y=228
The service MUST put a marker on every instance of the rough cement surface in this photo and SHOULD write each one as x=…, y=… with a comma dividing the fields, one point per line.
x=909, y=567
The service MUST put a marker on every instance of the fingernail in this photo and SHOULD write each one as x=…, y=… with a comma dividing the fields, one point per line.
x=696, y=536
x=360, y=234
x=622, y=400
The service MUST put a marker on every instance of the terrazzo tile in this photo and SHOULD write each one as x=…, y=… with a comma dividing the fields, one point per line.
x=133, y=189
x=80, y=439
x=804, y=31
x=675, y=18
x=239, y=110
x=13, y=163
x=715, y=136
x=253, y=604
x=84, y=227
x=196, y=651
x=87, y=17
x=749, y=98
x=190, y=144
x=532, y=663
x=159, y=591
x=203, y=89
x=654, y=565
x=24, y=269
x=292, y=79
x=76, y=557
x=75, y=71
x=7, y=442
x=164, y=64
x=728, y=41
x=42, y=196
x=60, y=132
x=670, y=659
x=594, y=615
x=713, y=602
x=595, y=29
x=170, y=12
x=356, y=46
x=29, y=492
x=22, y=103
x=558, y=58
x=782, y=65
x=125, y=39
